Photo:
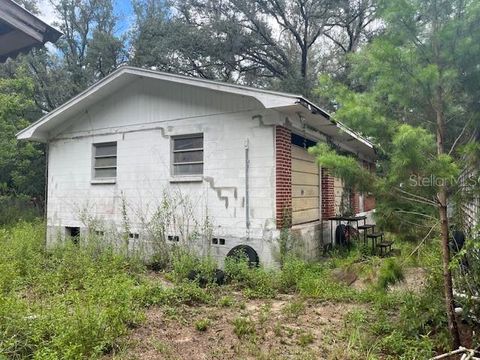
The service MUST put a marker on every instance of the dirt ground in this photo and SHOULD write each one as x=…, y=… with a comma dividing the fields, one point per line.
x=282, y=330
x=286, y=327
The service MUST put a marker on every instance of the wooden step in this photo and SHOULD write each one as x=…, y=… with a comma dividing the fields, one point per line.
x=375, y=235
x=385, y=244
x=365, y=227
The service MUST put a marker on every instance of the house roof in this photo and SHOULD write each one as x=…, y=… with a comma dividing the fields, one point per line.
x=289, y=103
x=20, y=30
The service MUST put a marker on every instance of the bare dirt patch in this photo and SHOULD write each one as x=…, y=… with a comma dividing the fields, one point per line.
x=284, y=327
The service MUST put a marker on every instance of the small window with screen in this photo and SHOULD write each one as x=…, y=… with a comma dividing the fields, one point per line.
x=187, y=155
x=105, y=161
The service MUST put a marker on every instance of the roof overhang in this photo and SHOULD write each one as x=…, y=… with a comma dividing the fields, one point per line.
x=20, y=30
x=314, y=115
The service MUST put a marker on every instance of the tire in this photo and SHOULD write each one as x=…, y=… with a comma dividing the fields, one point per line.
x=245, y=250
x=340, y=238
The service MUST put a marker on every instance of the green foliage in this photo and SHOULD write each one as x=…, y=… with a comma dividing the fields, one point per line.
x=390, y=273
x=71, y=303
x=202, y=324
x=294, y=309
x=186, y=292
x=185, y=263
x=76, y=302
x=243, y=327
x=306, y=339
x=18, y=208
x=345, y=167
x=256, y=282
x=226, y=301
x=292, y=270
x=21, y=163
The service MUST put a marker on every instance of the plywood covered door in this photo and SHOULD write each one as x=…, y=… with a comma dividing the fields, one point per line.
x=305, y=187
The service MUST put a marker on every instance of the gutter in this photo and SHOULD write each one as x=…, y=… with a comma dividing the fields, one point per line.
x=314, y=109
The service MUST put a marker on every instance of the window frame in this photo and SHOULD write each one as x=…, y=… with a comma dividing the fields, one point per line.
x=104, y=179
x=173, y=152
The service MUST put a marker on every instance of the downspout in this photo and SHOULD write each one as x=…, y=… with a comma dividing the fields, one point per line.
x=247, y=195
x=46, y=187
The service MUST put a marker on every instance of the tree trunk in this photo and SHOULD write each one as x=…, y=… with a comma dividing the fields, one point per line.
x=303, y=66
x=442, y=209
x=447, y=274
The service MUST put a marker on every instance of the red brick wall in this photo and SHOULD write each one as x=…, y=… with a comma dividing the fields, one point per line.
x=369, y=201
x=283, y=176
x=355, y=201
x=328, y=195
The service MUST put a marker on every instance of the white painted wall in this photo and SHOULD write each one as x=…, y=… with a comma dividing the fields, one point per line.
x=141, y=118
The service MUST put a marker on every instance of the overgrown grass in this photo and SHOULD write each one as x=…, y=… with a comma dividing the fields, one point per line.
x=76, y=302
x=70, y=303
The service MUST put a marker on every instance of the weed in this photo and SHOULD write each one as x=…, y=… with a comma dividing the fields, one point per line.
x=256, y=282
x=294, y=309
x=70, y=303
x=183, y=293
x=202, y=324
x=243, y=327
x=161, y=347
x=390, y=273
x=226, y=301
x=305, y=339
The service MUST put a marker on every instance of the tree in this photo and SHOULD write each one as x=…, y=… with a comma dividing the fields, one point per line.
x=21, y=164
x=89, y=50
x=275, y=43
x=419, y=72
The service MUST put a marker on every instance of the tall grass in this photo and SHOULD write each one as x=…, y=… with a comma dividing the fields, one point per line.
x=75, y=302
x=71, y=303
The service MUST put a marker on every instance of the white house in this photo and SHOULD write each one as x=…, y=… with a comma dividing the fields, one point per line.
x=232, y=159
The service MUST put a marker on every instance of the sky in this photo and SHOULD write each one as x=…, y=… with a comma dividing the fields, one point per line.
x=123, y=10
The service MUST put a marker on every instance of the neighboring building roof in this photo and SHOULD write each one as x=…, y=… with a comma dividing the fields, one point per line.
x=20, y=30
x=288, y=103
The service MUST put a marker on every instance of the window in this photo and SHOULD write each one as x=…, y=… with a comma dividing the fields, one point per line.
x=105, y=160
x=188, y=155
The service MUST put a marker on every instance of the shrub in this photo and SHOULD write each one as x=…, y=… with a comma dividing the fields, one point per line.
x=390, y=273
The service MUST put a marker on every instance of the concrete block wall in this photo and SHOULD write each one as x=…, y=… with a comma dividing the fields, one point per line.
x=142, y=119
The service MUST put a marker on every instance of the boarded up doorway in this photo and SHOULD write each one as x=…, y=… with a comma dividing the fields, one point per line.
x=305, y=187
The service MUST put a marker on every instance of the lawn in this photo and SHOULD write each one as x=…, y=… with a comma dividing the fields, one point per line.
x=91, y=302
